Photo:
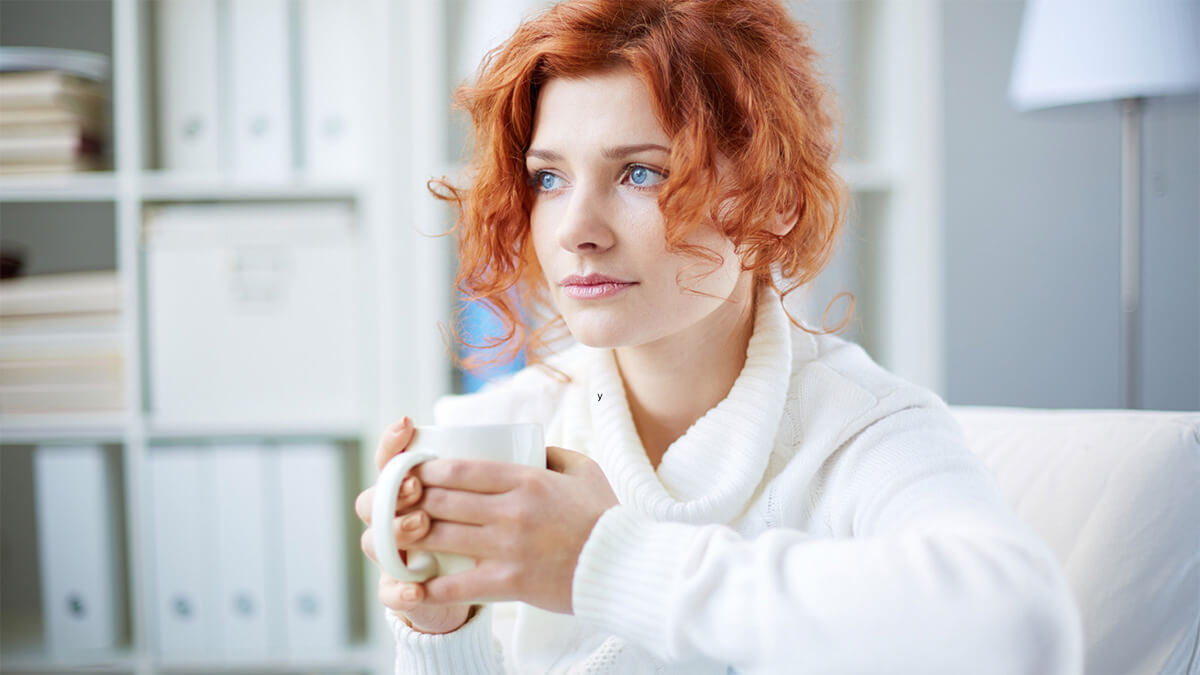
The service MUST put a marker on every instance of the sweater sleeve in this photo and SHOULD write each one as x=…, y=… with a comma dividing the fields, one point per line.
x=470, y=649
x=928, y=572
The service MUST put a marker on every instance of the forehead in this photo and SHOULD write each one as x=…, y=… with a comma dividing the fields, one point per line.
x=601, y=108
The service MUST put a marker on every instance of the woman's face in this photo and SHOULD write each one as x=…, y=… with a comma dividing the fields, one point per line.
x=596, y=162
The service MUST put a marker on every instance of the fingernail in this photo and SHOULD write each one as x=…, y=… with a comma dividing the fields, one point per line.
x=409, y=486
x=411, y=522
x=409, y=594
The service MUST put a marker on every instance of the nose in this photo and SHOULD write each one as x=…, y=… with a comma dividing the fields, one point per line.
x=585, y=226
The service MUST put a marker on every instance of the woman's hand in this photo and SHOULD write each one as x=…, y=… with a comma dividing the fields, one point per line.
x=524, y=526
x=405, y=599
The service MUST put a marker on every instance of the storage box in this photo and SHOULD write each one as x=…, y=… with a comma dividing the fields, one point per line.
x=253, y=314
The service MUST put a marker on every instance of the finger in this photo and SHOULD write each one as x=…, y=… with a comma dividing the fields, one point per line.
x=460, y=506
x=403, y=537
x=362, y=505
x=474, y=475
x=393, y=442
x=399, y=595
x=443, y=537
x=484, y=583
x=410, y=528
x=406, y=530
x=409, y=494
x=562, y=460
x=367, y=543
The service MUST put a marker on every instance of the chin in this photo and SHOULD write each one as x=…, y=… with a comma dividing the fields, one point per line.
x=601, y=335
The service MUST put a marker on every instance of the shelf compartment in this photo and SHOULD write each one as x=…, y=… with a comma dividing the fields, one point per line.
x=225, y=431
x=60, y=236
x=47, y=488
x=84, y=25
x=169, y=186
x=97, y=428
x=26, y=655
x=94, y=186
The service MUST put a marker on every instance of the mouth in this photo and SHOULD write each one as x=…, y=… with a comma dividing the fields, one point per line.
x=593, y=286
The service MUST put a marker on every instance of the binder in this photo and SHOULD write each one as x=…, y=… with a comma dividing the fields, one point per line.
x=182, y=542
x=313, y=508
x=80, y=547
x=244, y=611
x=260, y=92
x=188, y=85
x=334, y=72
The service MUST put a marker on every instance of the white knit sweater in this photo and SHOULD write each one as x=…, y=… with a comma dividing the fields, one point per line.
x=826, y=517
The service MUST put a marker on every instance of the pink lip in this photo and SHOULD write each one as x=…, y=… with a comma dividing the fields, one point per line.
x=592, y=286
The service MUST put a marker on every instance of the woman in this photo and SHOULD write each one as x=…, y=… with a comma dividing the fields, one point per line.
x=727, y=490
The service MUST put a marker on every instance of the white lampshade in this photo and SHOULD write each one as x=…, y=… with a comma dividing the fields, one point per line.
x=1077, y=51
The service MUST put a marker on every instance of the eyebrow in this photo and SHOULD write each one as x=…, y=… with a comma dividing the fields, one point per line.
x=614, y=152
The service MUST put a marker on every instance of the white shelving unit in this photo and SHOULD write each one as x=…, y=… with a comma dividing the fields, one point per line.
x=893, y=266
x=404, y=298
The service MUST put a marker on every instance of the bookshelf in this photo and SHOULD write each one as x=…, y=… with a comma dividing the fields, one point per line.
x=883, y=62
x=112, y=205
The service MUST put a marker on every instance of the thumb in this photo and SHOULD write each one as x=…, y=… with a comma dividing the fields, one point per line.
x=562, y=460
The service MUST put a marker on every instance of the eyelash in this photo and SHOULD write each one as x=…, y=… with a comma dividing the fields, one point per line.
x=535, y=178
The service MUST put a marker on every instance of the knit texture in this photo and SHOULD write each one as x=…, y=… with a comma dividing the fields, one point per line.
x=709, y=473
x=470, y=649
x=826, y=516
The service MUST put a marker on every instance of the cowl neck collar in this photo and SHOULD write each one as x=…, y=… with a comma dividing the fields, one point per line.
x=710, y=473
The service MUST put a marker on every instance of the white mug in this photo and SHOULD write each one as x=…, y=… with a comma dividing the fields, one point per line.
x=513, y=443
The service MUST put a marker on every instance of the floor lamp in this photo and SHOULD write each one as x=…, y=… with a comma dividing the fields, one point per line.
x=1071, y=51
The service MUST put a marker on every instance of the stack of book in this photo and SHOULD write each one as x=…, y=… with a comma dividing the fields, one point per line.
x=61, y=351
x=53, y=106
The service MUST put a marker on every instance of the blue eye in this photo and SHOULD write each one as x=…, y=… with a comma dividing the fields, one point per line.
x=641, y=176
x=544, y=180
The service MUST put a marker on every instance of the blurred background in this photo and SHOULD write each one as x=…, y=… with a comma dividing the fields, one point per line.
x=222, y=280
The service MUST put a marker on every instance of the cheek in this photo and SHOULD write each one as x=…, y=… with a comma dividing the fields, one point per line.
x=644, y=231
x=542, y=236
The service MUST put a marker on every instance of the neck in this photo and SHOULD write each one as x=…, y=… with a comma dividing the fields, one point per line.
x=672, y=382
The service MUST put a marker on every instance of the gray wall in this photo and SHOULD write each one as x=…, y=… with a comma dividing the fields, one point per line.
x=1032, y=208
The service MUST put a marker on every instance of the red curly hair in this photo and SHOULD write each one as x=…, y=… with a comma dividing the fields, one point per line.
x=729, y=78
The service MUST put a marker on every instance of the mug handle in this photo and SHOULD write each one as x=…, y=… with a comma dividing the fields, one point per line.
x=383, y=511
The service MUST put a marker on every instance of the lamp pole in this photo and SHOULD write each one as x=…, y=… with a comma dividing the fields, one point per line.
x=1131, y=231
